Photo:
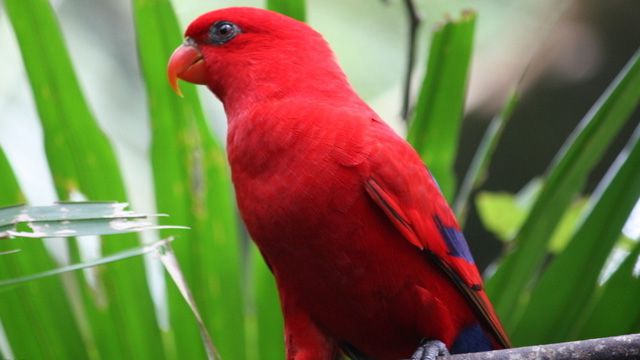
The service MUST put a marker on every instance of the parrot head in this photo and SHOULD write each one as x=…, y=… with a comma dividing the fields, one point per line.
x=244, y=52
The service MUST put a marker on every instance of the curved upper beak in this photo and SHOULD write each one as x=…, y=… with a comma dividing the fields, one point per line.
x=186, y=63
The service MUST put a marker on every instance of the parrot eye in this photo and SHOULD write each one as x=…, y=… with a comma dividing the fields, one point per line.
x=223, y=31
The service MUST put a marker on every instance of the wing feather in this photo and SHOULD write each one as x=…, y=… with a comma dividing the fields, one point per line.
x=406, y=192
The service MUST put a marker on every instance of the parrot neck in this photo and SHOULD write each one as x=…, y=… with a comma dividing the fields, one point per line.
x=243, y=100
x=283, y=80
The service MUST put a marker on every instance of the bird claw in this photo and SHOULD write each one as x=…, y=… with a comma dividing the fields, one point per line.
x=429, y=350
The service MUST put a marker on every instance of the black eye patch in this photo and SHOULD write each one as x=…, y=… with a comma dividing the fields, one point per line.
x=222, y=32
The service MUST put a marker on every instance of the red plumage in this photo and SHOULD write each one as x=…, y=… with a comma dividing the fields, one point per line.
x=366, y=253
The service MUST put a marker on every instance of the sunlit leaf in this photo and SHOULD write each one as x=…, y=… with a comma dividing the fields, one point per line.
x=500, y=213
x=504, y=213
x=563, y=232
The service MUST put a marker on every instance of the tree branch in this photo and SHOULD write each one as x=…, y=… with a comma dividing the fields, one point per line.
x=617, y=347
x=414, y=24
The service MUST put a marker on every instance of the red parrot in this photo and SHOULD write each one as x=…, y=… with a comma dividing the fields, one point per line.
x=367, y=255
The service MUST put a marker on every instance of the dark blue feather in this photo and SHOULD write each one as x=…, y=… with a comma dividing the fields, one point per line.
x=471, y=339
x=455, y=241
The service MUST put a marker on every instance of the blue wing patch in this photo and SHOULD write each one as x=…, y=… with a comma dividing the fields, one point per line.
x=471, y=339
x=455, y=241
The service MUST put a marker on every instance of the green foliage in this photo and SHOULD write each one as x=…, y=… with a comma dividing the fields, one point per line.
x=296, y=9
x=508, y=286
x=82, y=161
x=477, y=172
x=435, y=124
x=613, y=309
x=501, y=213
x=31, y=321
x=192, y=184
x=565, y=288
x=504, y=213
x=10, y=194
x=63, y=270
x=67, y=219
x=267, y=309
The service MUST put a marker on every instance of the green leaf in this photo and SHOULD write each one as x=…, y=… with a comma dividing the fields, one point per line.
x=8, y=252
x=566, y=286
x=267, y=307
x=79, y=210
x=121, y=255
x=501, y=213
x=615, y=309
x=192, y=184
x=31, y=321
x=170, y=263
x=9, y=190
x=567, y=226
x=73, y=219
x=504, y=213
x=435, y=124
x=477, y=172
x=292, y=8
x=120, y=311
x=566, y=178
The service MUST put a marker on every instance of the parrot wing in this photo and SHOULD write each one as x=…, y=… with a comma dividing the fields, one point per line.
x=400, y=184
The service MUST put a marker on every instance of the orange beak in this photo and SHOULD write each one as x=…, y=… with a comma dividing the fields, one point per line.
x=186, y=63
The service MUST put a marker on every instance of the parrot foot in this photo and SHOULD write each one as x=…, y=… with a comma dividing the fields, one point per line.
x=429, y=350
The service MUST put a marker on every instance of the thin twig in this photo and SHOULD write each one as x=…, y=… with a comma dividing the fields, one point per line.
x=414, y=24
x=617, y=347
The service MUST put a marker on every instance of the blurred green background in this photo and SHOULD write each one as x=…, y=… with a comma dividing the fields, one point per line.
x=560, y=55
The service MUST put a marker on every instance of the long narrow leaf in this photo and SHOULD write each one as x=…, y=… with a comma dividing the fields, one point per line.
x=170, y=262
x=73, y=219
x=32, y=322
x=616, y=309
x=270, y=324
x=292, y=8
x=120, y=310
x=477, y=172
x=564, y=290
x=191, y=183
x=10, y=194
x=122, y=255
x=82, y=210
x=87, y=228
x=435, y=124
x=566, y=178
